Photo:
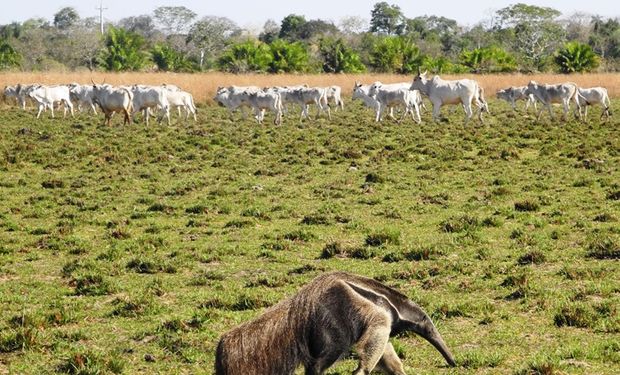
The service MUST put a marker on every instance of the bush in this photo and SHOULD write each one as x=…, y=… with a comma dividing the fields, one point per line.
x=246, y=57
x=576, y=57
x=385, y=236
x=604, y=247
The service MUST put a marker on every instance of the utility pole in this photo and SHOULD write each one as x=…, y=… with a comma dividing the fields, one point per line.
x=101, y=9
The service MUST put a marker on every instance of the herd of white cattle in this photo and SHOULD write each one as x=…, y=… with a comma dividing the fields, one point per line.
x=111, y=99
x=380, y=97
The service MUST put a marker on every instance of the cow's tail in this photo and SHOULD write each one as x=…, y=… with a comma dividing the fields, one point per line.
x=576, y=97
x=606, y=103
x=130, y=94
x=485, y=105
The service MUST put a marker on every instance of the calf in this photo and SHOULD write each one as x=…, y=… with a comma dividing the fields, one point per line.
x=512, y=94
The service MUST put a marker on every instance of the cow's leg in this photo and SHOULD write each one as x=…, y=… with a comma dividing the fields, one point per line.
x=41, y=106
x=52, y=109
x=468, y=111
x=436, y=111
x=378, y=111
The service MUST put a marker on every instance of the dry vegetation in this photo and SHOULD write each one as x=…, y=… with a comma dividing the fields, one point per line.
x=203, y=86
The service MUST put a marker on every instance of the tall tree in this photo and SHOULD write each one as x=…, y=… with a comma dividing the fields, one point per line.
x=533, y=31
x=211, y=34
x=65, y=18
x=174, y=20
x=292, y=27
x=143, y=25
x=386, y=19
x=270, y=32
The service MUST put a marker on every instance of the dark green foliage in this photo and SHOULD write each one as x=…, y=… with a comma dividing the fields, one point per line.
x=395, y=54
x=576, y=57
x=168, y=59
x=124, y=51
x=246, y=57
x=338, y=57
x=288, y=57
x=386, y=18
x=9, y=58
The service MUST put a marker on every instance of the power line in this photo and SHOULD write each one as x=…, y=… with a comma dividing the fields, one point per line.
x=101, y=9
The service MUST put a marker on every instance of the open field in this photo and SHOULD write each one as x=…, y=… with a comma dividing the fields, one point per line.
x=132, y=249
x=203, y=86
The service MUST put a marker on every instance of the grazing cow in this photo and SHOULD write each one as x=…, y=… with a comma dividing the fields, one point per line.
x=83, y=95
x=321, y=323
x=361, y=92
x=335, y=93
x=235, y=97
x=305, y=96
x=21, y=92
x=11, y=92
x=113, y=99
x=512, y=94
x=549, y=94
x=147, y=98
x=287, y=95
x=180, y=99
x=47, y=96
x=268, y=99
x=440, y=92
x=395, y=95
x=591, y=96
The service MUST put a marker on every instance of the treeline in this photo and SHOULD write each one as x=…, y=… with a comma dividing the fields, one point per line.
x=518, y=38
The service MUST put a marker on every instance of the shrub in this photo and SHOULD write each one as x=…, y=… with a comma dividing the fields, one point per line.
x=577, y=315
x=92, y=285
x=460, y=224
x=384, y=236
x=526, y=206
x=604, y=247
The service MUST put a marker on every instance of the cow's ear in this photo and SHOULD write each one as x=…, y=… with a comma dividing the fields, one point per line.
x=424, y=74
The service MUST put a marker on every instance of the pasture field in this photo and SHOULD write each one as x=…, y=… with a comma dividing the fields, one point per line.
x=128, y=249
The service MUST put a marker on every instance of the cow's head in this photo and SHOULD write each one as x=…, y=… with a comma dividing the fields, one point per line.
x=419, y=80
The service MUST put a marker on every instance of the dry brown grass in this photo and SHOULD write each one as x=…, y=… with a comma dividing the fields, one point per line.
x=204, y=85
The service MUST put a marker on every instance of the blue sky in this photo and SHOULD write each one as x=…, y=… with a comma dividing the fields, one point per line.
x=253, y=14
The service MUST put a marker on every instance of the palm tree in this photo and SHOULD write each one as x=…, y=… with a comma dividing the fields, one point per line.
x=576, y=57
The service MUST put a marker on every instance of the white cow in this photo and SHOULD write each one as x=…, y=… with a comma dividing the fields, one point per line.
x=267, y=99
x=235, y=97
x=311, y=95
x=180, y=99
x=361, y=92
x=594, y=95
x=394, y=95
x=83, y=95
x=440, y=92
x=147, y=98
x=113, y=99
x=513, y=93
x=335, y=93
x=47, y=96
x=548, y=94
